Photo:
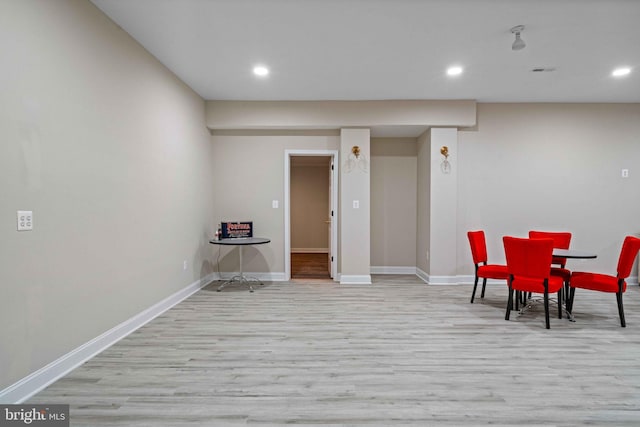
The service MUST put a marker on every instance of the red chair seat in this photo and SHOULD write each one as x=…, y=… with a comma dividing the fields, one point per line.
x=493, y=271
x=561, y=272
x=596, y=282
x=526, y=284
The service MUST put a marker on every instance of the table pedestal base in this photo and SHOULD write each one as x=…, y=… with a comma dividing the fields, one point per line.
x=241, y=278
x=531, y=301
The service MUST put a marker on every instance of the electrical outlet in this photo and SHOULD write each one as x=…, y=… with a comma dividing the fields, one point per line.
x=25, y=220
x=625, y=173
x=274, y=204
x=356, y=204
x=184, y=264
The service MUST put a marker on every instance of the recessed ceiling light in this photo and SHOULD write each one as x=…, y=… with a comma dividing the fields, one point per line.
x=454, y=71
x=619, y=72
x=260, y=70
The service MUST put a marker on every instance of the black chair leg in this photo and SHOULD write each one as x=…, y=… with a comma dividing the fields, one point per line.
x=475, y=285
x=484, y=285
x=546, y=309
x=560, y=303
x=518, y=293
x=620, y=309
x=509, y=304
x=572, y=293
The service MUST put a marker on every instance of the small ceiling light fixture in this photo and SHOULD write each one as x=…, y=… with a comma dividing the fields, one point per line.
x=454, y=71
x=260, y=70
x=620, y=72
x=518, y=44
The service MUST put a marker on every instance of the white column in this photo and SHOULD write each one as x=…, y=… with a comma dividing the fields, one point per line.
x=443, y=206
x=355, y=238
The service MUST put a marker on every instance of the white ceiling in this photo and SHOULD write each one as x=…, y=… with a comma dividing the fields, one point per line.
x=392, y=49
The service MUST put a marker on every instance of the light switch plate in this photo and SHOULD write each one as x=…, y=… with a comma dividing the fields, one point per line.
x=25, y=220
x=356, y=204
x=274, y=204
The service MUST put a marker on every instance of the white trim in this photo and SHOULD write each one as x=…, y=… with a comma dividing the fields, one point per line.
x=38, y=380
x=468, y=280
x=422, y=275
x=287, y=203
x=352, y=279
x=443, y=280
x=309, y=250
x=392, y=270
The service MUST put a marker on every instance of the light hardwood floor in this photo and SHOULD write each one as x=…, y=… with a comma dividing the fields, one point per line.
x=397, y=352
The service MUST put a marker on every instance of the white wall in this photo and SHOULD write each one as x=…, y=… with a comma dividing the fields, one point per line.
x=248, y=174
x=110, y=151
x=394, y=181
x=551, y=167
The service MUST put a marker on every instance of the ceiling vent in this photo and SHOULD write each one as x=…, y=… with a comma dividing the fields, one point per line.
x=543, y=69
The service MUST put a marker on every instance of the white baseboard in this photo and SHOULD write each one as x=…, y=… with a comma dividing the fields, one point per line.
x=309, y=250
x=444, y=280
x=351, y=279
x=422, y=275
x=392, y=270
x=38, y=380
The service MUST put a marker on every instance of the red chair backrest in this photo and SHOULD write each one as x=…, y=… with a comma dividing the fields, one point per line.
x=561, y=240
x=630, y=248
x=478, y=246
x=528, y=257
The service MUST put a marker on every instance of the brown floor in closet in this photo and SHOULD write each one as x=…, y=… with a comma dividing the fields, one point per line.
x=304, y=265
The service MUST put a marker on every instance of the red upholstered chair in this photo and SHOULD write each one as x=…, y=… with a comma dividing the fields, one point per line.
x=605, y=283
x=561, y=240
x=528, y=262
x=484, y=270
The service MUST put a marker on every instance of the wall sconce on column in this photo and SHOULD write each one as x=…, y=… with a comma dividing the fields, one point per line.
x=445, y=166
x=356, y=159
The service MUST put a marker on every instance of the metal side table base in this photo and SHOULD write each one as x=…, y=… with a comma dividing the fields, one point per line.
x=534, y=301
x=241, y=278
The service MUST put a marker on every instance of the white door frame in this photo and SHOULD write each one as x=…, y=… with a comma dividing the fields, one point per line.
x=287, y=210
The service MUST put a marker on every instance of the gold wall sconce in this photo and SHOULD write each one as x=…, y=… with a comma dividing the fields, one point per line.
x=445, y=165
x=356, y=159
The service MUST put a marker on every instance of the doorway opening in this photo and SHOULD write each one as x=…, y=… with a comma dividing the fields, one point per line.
x=310, y=214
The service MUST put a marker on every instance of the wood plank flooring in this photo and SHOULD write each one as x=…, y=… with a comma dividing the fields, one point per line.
x=397, y=352
x=309, y=265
